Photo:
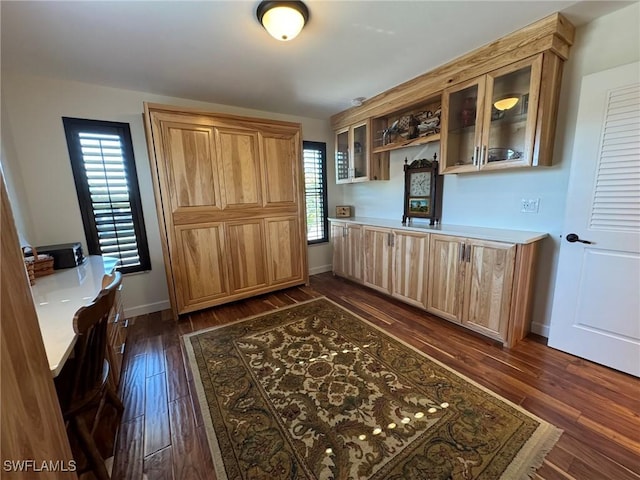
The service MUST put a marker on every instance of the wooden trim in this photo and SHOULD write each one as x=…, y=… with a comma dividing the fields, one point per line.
x=553, y=33
x=220, y=117
x=522, y=294
x=160, y=209
x=547, y=109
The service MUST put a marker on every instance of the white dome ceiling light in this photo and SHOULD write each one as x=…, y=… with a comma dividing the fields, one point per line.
x=283, y=20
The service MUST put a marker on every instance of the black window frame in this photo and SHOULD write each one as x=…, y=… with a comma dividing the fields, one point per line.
x=74, y=126
x=322, y=148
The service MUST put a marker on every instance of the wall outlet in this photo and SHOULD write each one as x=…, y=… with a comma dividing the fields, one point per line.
x=530, y=205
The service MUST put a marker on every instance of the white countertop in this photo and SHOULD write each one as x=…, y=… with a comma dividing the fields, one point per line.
x=58, y=296
x=481, y=233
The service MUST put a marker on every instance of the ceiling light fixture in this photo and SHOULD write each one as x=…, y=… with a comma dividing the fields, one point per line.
x=283, y=20
x=506, y=102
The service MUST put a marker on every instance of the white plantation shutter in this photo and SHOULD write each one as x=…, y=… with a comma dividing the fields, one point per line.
x=616, y=204
x=315, y=188
x=104, y=171
x=107, y=180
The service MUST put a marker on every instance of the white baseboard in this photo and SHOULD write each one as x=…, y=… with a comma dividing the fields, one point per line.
x=320, y=269
x=540, y=329
x=148, y=308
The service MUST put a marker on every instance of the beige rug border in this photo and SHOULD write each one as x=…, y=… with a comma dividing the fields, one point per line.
x=524, y=465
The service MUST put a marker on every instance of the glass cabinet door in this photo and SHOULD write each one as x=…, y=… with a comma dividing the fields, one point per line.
x=509, y=123
x=360, y=154
x=342, y=156
x=461, y=136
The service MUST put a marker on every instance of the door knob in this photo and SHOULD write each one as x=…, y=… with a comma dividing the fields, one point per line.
x=572, y=238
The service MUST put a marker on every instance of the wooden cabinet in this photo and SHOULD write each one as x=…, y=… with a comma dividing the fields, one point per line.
x=410, y=254
x=470, y=282
x=347, y=250
x=377, y=247
x=395, y=262
x=354, y=161
x=117, y=337
x=484, y=285
x=229, y=197
x=476, y=135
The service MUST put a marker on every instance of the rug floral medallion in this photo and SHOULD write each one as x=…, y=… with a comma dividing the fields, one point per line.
x=313, y=391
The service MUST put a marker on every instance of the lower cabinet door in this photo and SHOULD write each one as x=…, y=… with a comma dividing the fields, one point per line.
x=410, y=262
x=338, y=240
x=199, y=267
x=488, y=287
x=446, y=276
x=246, y=257
x=283, y=247
x=377, y=258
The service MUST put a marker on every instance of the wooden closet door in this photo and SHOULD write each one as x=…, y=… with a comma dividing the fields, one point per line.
x=191, y=166
x=239, y=163
x=246, y=257
x=283, y=245
x=199, y=266
x=281, y=151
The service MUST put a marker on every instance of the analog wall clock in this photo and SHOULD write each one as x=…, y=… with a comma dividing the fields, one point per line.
x=422, y=190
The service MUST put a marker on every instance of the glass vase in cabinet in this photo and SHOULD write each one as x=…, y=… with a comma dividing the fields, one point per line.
x=352, y=153
x=489, y=123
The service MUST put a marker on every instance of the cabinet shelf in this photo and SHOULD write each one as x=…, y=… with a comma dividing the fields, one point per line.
x=408, y=143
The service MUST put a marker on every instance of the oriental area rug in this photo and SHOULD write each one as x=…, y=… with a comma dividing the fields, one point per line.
x=313, y=391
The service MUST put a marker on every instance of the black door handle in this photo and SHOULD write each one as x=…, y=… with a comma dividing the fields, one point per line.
x=572, y=238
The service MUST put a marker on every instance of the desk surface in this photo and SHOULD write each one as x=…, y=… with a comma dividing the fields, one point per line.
x=58, y=296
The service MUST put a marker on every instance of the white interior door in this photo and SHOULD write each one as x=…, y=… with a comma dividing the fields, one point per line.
x=596, y=307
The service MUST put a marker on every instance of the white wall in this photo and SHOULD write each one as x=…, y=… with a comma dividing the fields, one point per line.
x=43, y=186
x=493, y=199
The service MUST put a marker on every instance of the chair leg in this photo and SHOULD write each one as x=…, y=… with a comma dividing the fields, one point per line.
x=115, y=400
x=89, y=447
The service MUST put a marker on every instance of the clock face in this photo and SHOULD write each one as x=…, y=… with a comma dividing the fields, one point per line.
x=420, y=184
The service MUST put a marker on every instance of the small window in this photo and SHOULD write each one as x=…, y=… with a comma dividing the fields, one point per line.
x=315, y=189
x=104, y=171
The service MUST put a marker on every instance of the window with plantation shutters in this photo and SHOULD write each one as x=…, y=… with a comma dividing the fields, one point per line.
x=104, y=171
x=315, y=189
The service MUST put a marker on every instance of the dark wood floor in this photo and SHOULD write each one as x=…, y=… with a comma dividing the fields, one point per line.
x=162, y=433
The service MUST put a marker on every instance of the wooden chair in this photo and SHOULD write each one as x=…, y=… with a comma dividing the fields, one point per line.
x=86, y=387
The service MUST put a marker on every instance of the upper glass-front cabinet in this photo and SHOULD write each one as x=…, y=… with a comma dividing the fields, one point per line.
x=489, y=122
x=352, y=153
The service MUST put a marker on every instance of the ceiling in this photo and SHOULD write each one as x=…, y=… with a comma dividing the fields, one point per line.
x=216, y=51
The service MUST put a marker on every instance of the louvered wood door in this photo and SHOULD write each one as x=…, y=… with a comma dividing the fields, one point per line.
x=410, y=261
x=596, y=308
x=488, y=279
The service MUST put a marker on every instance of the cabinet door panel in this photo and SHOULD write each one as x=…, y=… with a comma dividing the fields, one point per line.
x=410, y=262
x=199, y=266
x=281, y=163
x=508, y=136
x=353, y=252
x=338, y=236
x=377, y=258
x=191, y=165
x=461, y=134
x=283, y=237
x=247, y=255
x=240, y=167
x=489, y=281
x=342, y=156
x=445, y=276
